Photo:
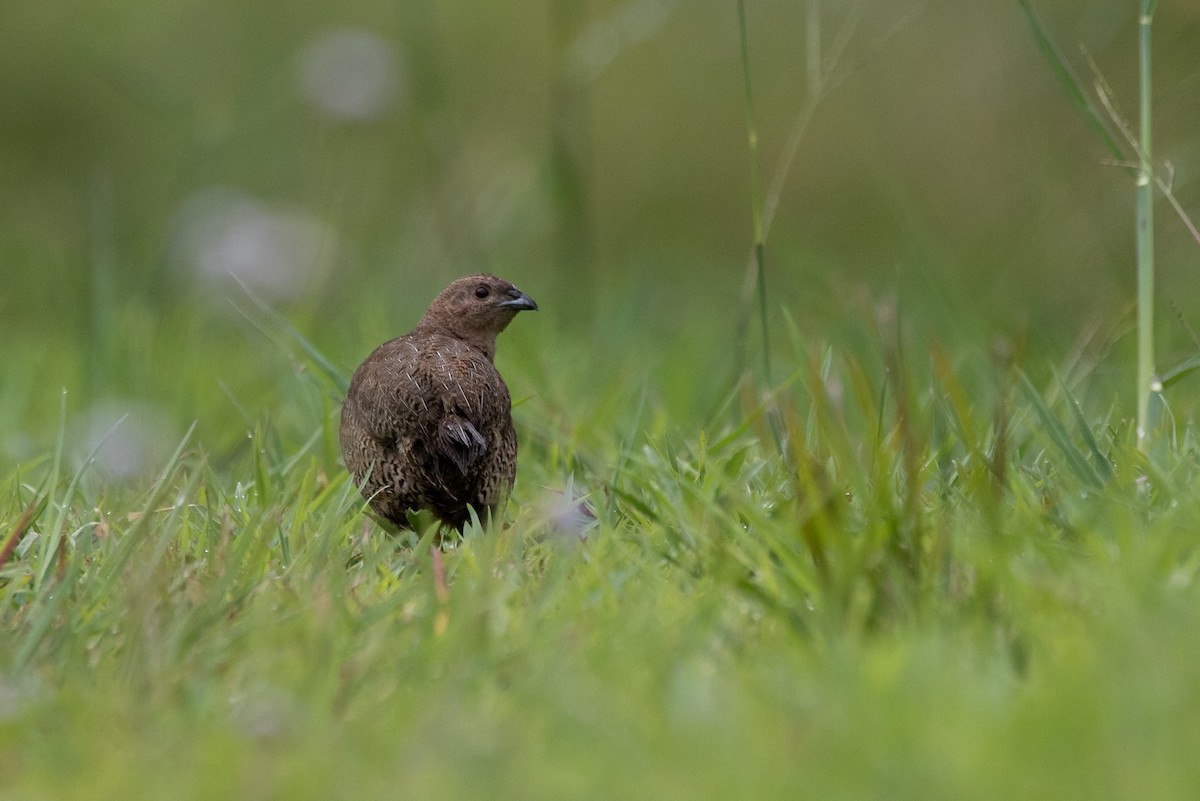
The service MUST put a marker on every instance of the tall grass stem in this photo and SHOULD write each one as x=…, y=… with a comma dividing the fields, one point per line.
x=755, y=197
x=1145, y=232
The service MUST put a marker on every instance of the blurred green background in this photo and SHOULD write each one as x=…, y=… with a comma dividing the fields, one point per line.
x=1001, y=607
x=345, y=160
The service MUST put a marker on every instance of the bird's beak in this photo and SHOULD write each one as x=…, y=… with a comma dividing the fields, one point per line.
x=520, y=301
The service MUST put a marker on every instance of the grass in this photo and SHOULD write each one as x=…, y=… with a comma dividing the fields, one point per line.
x=1145, y=226
x=899, y=565
x=956, y=583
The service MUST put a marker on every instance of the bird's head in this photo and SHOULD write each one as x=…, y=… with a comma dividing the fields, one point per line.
x=476, y=308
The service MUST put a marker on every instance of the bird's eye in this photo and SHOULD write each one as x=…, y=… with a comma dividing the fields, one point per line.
x=481, y=291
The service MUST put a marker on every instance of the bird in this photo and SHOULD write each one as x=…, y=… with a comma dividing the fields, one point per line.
x=427, y=419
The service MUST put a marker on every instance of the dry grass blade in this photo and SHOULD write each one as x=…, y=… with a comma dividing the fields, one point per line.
x=23, y=523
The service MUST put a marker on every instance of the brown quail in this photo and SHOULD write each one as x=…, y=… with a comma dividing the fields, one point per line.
x=427, y=421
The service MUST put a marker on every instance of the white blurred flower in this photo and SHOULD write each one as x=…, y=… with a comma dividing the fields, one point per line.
x=602, y=40
x=18, y=694
x=263, y=712
x=567, y=512
x=221, y=232
x=595, y=48
x=693, y=693
x=128, y=438
x=350, y=74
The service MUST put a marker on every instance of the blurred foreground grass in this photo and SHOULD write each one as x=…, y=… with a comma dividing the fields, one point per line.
x=951, y=585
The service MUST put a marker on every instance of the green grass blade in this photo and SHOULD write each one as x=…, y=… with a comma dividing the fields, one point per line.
x=114, y=566
x=1145, y=233
x=276, y=328
x=1104, y=467
x=755, y=195
x=1078, y=465
x=57, y=532
x=1177, y=373
x=1070, y=83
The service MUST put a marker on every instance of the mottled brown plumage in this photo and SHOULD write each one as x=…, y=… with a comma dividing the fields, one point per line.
x=427, y=422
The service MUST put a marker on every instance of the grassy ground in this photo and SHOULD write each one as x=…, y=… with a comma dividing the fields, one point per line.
x=947, y=583
x=925, y=560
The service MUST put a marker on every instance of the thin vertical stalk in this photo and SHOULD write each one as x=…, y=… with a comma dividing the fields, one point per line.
x=1145, y=234
x=570, y=149
x=755, y=198
x=812, y=49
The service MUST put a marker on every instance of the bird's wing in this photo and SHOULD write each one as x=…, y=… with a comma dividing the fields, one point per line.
x=460, y=442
